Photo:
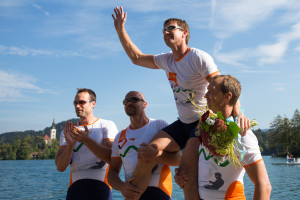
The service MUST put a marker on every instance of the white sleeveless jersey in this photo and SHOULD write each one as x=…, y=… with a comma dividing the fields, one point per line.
x=224, y=180
x=126, y=145
x=84, y=164
x=187, y=77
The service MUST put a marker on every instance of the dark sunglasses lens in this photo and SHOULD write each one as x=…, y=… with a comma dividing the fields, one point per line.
x=131, y=100
x=170, y=28
x=80, y=102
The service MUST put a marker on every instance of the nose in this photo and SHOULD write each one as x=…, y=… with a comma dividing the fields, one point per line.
x=77, y=105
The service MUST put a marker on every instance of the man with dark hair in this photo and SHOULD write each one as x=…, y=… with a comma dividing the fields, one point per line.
x=189, y=70
x=86, y=147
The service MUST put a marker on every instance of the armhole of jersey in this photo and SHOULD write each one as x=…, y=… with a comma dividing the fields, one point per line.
x=154, y=62
x=253, y=163
x=211, y=74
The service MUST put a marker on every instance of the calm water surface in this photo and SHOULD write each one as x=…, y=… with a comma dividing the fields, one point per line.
x=39, y=179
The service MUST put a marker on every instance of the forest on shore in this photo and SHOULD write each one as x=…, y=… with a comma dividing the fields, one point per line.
x=283, y=136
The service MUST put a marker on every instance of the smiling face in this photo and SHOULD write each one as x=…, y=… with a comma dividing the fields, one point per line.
x=184, y=29
x=175, y=36
x=136, y=103
x=83, y=106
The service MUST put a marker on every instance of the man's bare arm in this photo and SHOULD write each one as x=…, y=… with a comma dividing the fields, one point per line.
x=64, y=153
x=127, y=190
x=63, y=157
x=259, y=176
x=133, y=52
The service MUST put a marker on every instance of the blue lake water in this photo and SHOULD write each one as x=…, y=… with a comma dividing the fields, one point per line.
x=39, y=179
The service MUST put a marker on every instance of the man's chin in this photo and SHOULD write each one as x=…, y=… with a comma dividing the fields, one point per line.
x=130, y=113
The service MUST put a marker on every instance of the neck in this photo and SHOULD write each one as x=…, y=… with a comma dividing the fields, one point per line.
x=137, y=122
x=179, y=51
x=88, y=120
x=227, y=111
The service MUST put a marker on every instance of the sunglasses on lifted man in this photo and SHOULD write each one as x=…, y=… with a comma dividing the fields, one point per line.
x=131, y=100
x=171, y=28
x=81, y=102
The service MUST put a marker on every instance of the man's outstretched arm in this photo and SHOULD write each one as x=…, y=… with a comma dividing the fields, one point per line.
x=133, y=52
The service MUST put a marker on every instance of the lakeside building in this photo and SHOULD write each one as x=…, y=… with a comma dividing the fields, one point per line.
x=48, y=140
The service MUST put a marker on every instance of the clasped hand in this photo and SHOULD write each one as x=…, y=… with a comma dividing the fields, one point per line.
x=147, y=152
x=73, y=134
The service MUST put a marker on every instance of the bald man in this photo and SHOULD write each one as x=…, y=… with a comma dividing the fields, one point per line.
x=125, y=151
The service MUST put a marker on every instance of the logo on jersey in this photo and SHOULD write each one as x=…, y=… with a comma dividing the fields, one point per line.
x=172, y=77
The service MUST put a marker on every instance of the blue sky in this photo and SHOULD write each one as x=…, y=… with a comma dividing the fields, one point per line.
x=50, y=48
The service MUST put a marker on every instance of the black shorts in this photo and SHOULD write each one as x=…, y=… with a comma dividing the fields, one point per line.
x=181, y=132
x=89, y=189
x=154, y=193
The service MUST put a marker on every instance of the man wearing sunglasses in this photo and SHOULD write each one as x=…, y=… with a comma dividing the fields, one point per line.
x=86, y=147
x=189, y=70
x=125, y=151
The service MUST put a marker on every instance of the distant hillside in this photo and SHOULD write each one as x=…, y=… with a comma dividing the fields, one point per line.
x=10, y=137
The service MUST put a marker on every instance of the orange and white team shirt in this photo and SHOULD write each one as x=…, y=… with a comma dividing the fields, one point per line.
x=84, y=164
x=187, y=77
x=223, y=180
x=126, y=145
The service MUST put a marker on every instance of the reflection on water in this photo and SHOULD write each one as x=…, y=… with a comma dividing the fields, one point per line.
x=39, y=179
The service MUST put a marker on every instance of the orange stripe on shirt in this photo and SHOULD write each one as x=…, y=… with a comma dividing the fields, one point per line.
x=211, y=74
x=183, y=55
x=165, y=180
x=108, y=139
x=253, y=163
x=154, y=62
x=235, y=191
x=105, y=178
x=71, y=181
x=91, y=123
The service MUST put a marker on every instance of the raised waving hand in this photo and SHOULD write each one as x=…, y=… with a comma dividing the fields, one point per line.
x=120, y=18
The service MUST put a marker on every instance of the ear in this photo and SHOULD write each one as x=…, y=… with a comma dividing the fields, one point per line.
x=93, y=103
x=145, y=104
x=184, y=34
x=228, y=97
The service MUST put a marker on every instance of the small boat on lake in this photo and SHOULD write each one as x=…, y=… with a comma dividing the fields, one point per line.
x=289, y=161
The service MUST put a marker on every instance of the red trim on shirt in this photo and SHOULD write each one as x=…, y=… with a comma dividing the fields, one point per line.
x=154, y=62
x=253, y=163
x=211, y=74
x=141, y=127
x=183, y=55
x=91, y=123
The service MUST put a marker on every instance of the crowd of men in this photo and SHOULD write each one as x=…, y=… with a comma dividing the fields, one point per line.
x=96, y=151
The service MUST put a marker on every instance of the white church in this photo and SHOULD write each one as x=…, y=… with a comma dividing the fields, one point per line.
x=48, y=140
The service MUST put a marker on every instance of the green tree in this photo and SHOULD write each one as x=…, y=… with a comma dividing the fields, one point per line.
x=274, y=135
x=24, y=151
x=295, y=139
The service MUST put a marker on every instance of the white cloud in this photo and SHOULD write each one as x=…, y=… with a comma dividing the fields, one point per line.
x=41, y=9
x=234, y=58
x=271, y=53
x=234, y=16
x=278, y=87
x=24, y=51
x=11, y=3
x=14, y=85
x=264, y=53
